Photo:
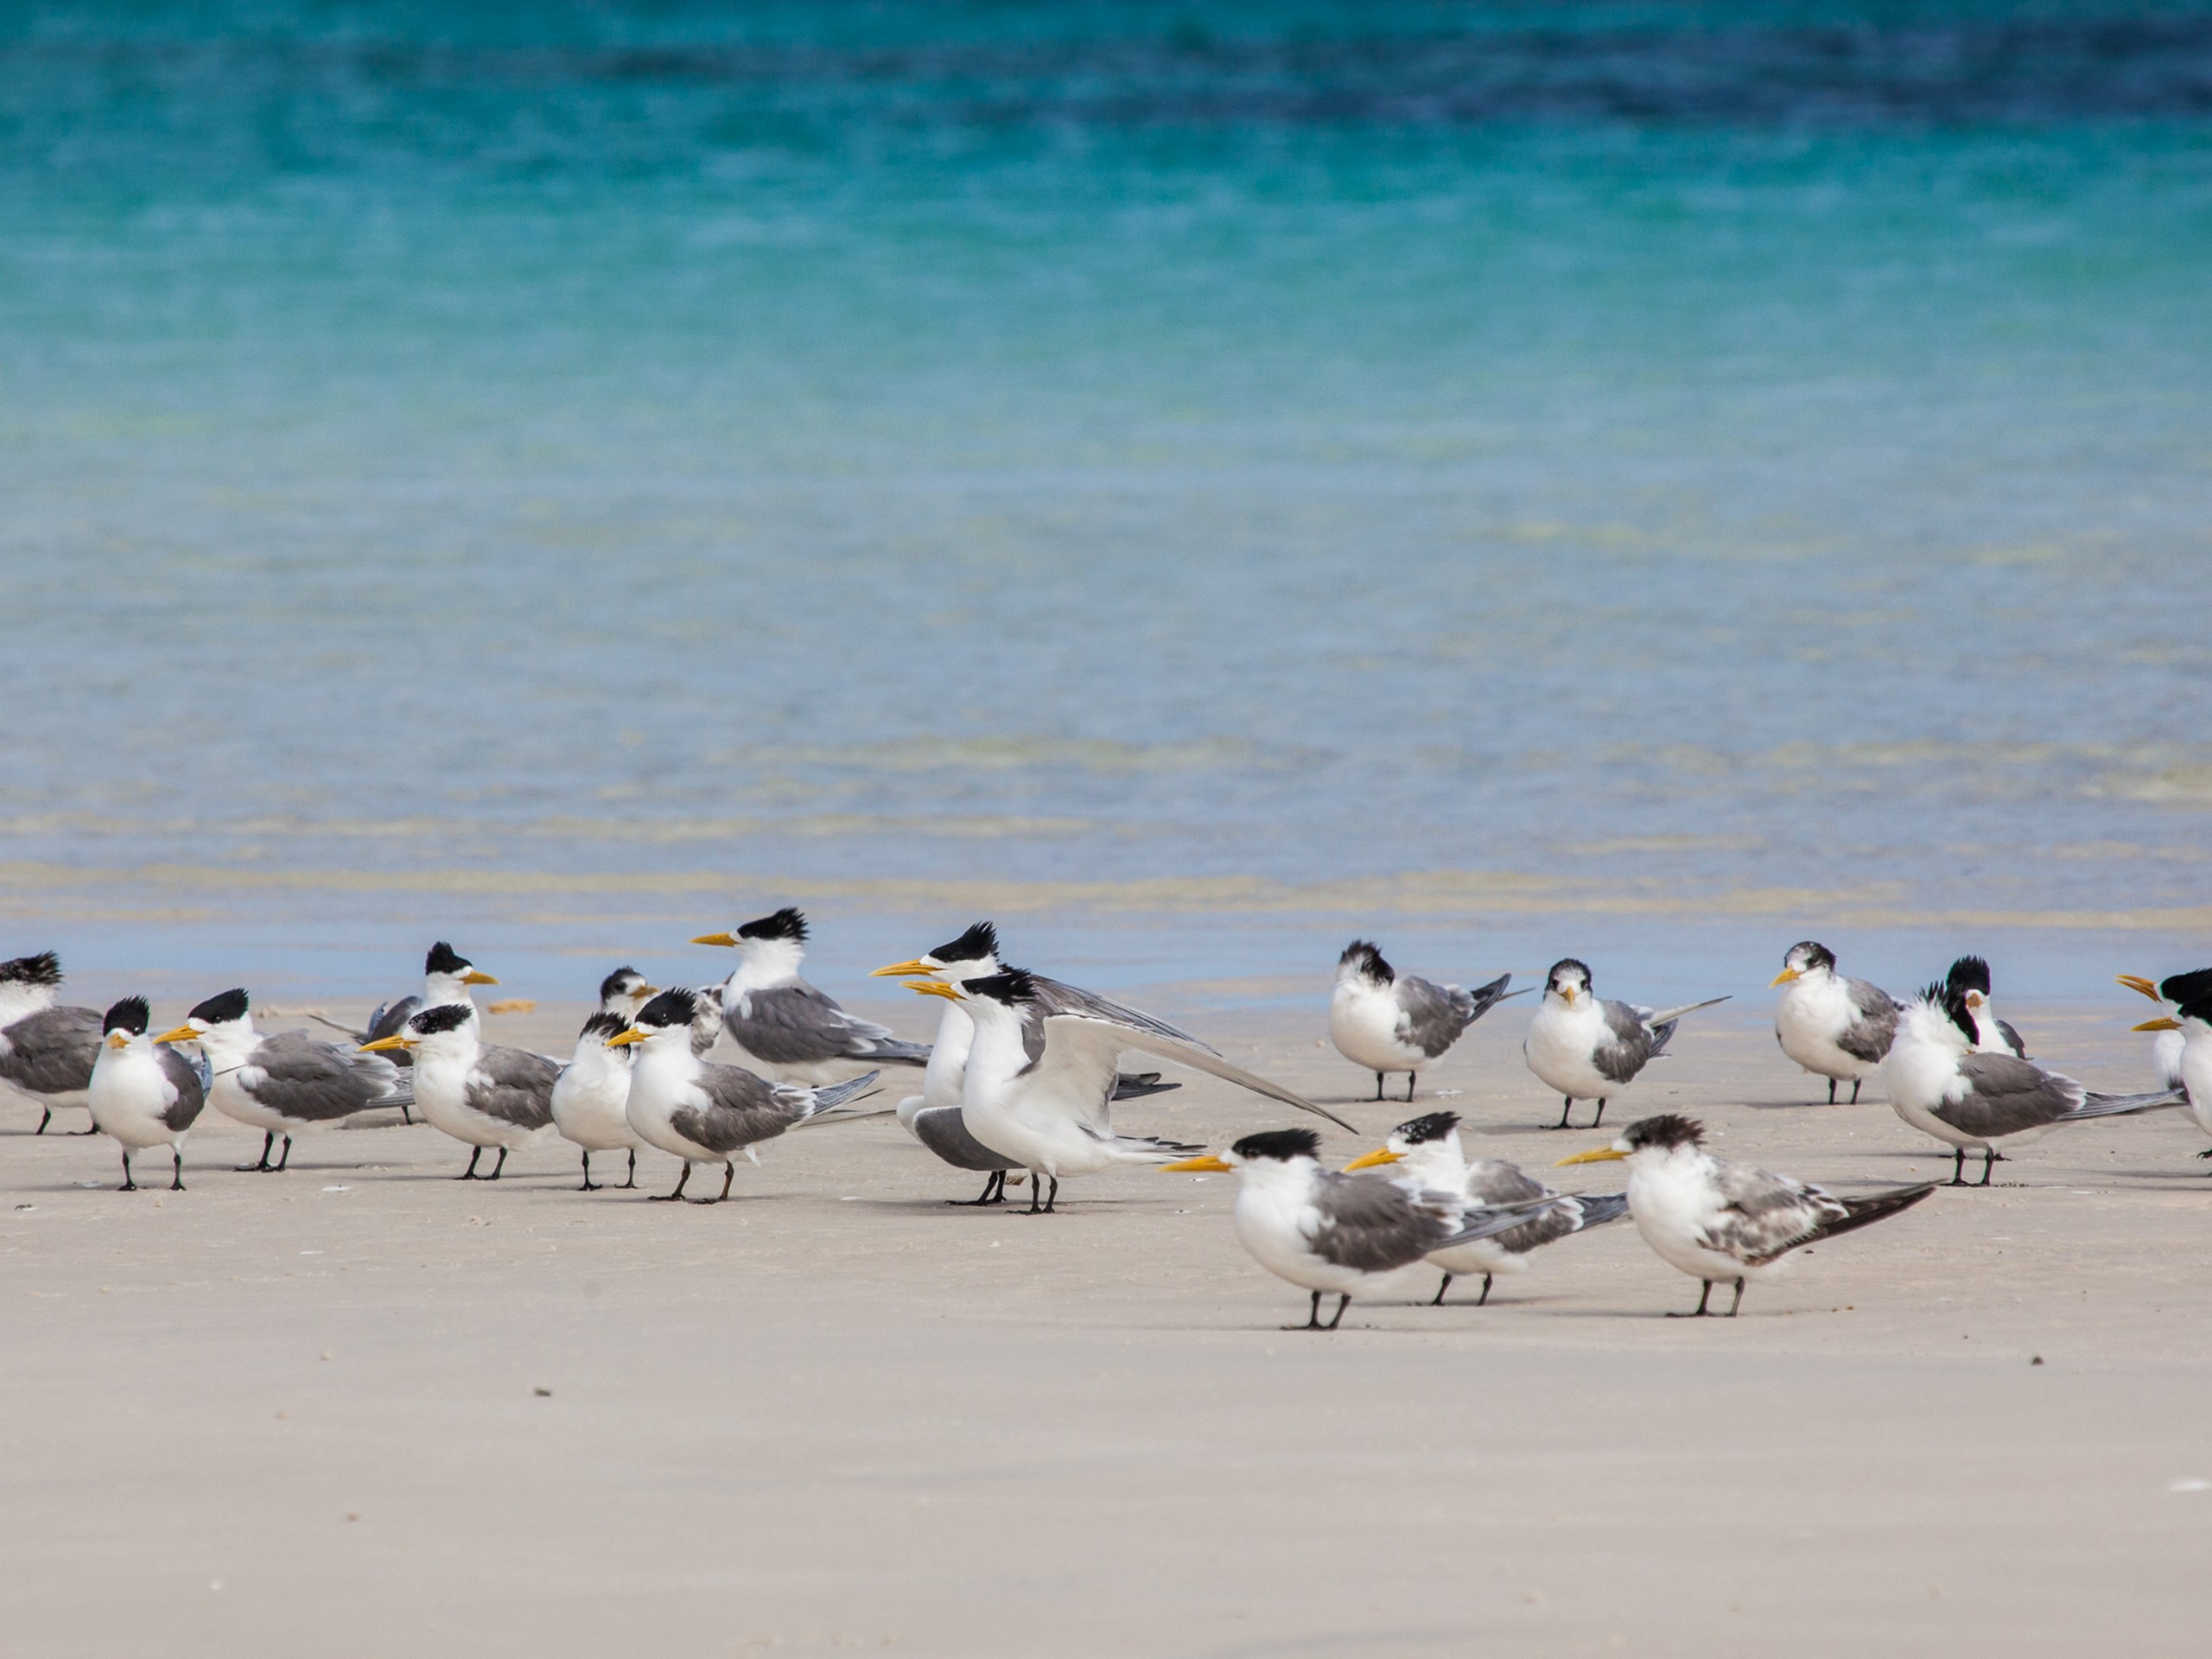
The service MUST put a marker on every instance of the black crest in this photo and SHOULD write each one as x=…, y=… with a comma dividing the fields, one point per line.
x=604, y=1026
x=612, y=984
x=44, y=968
x=671, y=1008
x=446, y=1016
x=1282, y=1145
x=1419, y=1131
x=221, y=1009
x=443, y=959
x=1011, y=987
x=785, y=924
x=2190, y=993
x=131, y=1014
x=977, y=942
x=1969, y=973
x=1953, y=1002
x=1362, y=955
x=1572, y=968
x=1668, y=1129
x=1816, y=954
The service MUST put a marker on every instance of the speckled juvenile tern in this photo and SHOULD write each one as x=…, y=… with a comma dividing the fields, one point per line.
x=785, y=1024
x=480, y=1093
x=1389, y=1022
x=1835, y=1027
x=46, y=1052
x=1590, y=1049
x=141, y=1093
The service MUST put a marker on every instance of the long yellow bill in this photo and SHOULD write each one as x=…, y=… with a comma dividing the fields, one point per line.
x=1209, y=1163
x=384, y=1042
x=625, y=1037
x=1370, y=1160
x=182, y=1035
x=477, y=977
x=1784, y=977
x=2162, y=1023
x=119, y=1040
x=715, y=938
x=1595, y=1155
x=934, y=987
x=2141, y=986
x=901, y=970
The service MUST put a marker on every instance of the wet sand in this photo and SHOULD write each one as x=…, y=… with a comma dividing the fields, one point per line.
x=358, y=1409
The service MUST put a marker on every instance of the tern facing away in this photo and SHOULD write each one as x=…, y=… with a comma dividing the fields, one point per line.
x=1590, y=1049
x=590, y=1100
x=1972, y=1099
x=284, y=1083
x=143, y=1094
x=1389, y=1022
x=1327, y=1232
x=709, y=1114
x=46, y=1052
x=1040, y=1083
x=1429, y=1158
x=1835, y=1027
x=795, y=1032
x=2189, y=1026
x=480, y=1094
x=1721, y=1222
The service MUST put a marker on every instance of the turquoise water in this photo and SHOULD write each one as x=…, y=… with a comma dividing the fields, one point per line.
x=1622, y=464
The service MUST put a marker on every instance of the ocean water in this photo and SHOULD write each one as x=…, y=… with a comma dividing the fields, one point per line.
x=1194, y=480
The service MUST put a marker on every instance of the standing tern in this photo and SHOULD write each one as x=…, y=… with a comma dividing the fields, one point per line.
x=141, y=1093
x=1429, y=1158
x=2190, y=1025
x=624, y=992
x=591, y=1097
x=1969, y=976
x=707, y=1114
x=1719, y=1221
x=779, y=1019
x=1327, y=1232
x=447, y=975
x=1040, y=1083
x=46, y=1052
x=1835, y=1027
x=284, y=1083
x=477, y=1092
x=2167, y=1047
x=1589, y=1049
x=1389, y=1022
x=1942, y=1084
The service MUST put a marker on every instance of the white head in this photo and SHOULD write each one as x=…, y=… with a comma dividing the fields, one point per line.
x=1273, y=1158
x=593, y=1041
x=1567, y=985
x=1363, y=964
x=664, y=1024
x=624, y=992
x=769, y=948
x=222, y=1026
x=447, y=976
x=124, y=1031
x=1429, y=1148
x=973, y=955
x=1808, y=960
x=1940, y=1018
x=1650, y=1142
x=28, y=984
x=446, y=1031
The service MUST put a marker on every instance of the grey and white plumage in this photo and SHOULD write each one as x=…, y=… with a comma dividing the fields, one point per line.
x=1389, y=1022
x=1590, y=1048
x=447, y=975
x=481, y=1094
x=1942, y=1084
x=143, y=1094
x=1835, y=1027
x=1726, y=1222
x=799, y=1034
x=591, y=1097
x=710, y=1114
x=46, y=1052
x=625, y=991
x=1969, y=976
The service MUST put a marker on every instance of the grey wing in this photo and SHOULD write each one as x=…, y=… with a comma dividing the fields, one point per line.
x=306, y=1078
x=390, y=1018
x=1373, y=1225
x=740, y=1110
x=191, y=1089
x=513, y=1085
x=1874, y=1021
x=2007, y=1095
x=52, y=1052
x=796, y=1024
x=944, y=1132
x=1432, y=1016
x=1493, y=1181
x=1766, y=1215
x=2011, y=1037
x=1056, y=997
x=1110, y=1037
x=1633, y=1043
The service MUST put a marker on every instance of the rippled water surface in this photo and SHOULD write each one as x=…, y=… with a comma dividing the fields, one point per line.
x=1563, y=473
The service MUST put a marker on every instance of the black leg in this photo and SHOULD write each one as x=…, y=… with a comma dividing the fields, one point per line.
x=496, y=1168
x=1344, y=1301
x=1697, y=1312
x=993, y=1192
x=44, y=1118
x=1378, y=1095
x=1988, y=1162
x=1437, y=1301
x=1313, y=1319
x=405, y=1116
x=1566, y=1112
x=1483, y=1300
x=176, y=1180
x=129, y=1185
x=590, y=1185
x=729, y=1174
x=1738, y=1302
x=1600, y=1118
x=469, y=1174
x=268, y=1141
x=1410, y=1076
x=632, y=1181
x=1052, y=1198
x=670, y=1198
x=1831, y=1091
x=285, y=1162
x=1958, y=1167
x=1855, y=1082
x=1036, y=1192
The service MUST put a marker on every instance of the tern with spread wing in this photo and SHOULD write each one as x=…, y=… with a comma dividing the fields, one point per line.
x=46, y=1052
x=785, y=1026
x=1389, y=1022
x=480, y=1093
x=1835, y=1027
x=1590, y=1049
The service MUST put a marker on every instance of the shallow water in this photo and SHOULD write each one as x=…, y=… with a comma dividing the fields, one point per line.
x=1561, y=478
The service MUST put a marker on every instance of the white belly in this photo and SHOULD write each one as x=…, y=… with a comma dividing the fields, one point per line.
x=1808, y=1024
x=1363, y=1024
x=595, y=1115
x=1558, y=1050
x=229, y=1097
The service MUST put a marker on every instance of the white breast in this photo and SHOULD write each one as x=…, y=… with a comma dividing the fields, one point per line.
x=1558, y=1048
x=1363, y=1024
x=1811, y=1014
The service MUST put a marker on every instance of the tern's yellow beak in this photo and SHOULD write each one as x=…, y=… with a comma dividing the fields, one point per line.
x=1595, y=1155
x=901, y=970
x=715, y=938
x=119, y=1040
x=182, y=1035
x=477, y=977
x=1567, y=995
x=399, y=1039
x=646, y=990
x=935, y=988
x=1784, y=977
x=1370, y=1160
x=2162, y=1023
x=1209, y=1164
x=2141, y=986
x=625, y=1037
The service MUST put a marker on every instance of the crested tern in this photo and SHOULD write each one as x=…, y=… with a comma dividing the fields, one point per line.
x=1590, y=1049
x=2167, y=1047
x=1719, y=1221
x=2190, y=1025
x=1387, y=1022
x=141, y=1093
x=447, y=975
x=797, y=1033
x=1039, y=1084
x=591, y=1097
x=624, y=992
x=282, y=1082
x=479, y=1093
x=1835, y=1027
x=1969, y=976
x=1944, y=1084
x=46, y=1052
x=1429, y=1158
x=707, y=1114
x=1331, y=1233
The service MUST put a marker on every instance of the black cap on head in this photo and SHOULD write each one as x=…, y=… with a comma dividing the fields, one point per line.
x=604, y=1026
x=1010, y=986
x=44, y=968
x=1668, y=1129
x=443, y=959
x=131, y=1014
x=2190, y=993
x=446, y=1016
x=221, y=1009
x=1435, y=1125
x=1952, y=1001
x=1969, y=973
x=978, y=942
x=671, y=1008
x=611, y=985
x=1569, y=968
x=1812, y=951
x=785, y=924
x=1362, y=955
x=1281, y=1145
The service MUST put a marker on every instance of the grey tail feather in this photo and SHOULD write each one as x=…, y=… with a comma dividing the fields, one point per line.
x=1660, y=1034
x=1181, y=1149
x=1499, y=1218
x=1668, y=1016
x=2121, y=1105
x=836, y=1094
x=1483, y=997
x=404, y=1095
x=1599, y=1208
x=895, y=1051
x=1136, y=1086
x=1864, y=1212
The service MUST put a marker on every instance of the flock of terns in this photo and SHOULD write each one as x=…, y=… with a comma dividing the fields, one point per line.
x=1019, y=1081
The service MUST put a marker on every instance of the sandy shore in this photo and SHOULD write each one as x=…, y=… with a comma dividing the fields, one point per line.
x=357, y=1409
